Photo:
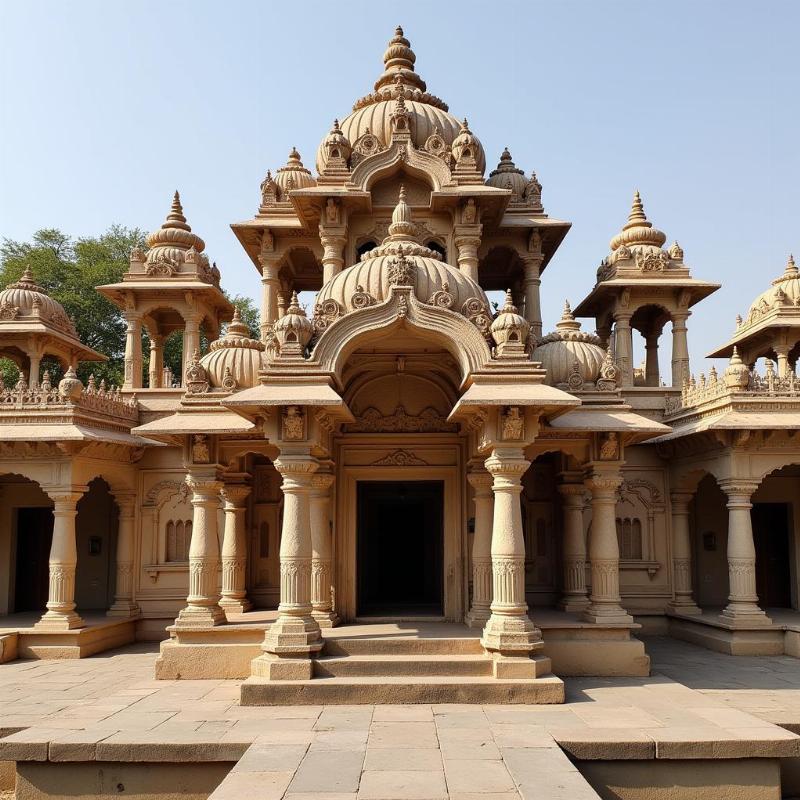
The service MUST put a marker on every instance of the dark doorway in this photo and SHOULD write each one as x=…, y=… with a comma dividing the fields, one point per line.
x=34, y=535
x=399, y=542
x=771, y=537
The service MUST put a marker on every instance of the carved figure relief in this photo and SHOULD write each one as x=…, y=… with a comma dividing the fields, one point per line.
x=200, y=451
x=427, y=421
x=609, y=447
x=294, y=424
x=512, y=425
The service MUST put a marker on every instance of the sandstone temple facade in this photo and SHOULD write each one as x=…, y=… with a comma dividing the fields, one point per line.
x=393, y=451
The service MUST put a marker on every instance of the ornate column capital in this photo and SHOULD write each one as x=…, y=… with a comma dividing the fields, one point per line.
x=297, y=472
x=204, y=489
x=739, y=491
x=603, y=485
x=573, y=493
x=234, y=495
x=680, y=501
x=65, y=499
x=509, y=463
x=321, y=482
x=126, y=503
x=481, y=482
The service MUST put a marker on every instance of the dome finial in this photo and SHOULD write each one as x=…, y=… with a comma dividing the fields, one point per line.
x=176, y=218
x=567, y=321
x=402, y=226
x=791, y=267
x=508, y=305
x=637, y=217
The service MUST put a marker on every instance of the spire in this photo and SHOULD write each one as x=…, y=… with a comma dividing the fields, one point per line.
x=295, y=307
x=637, y=218
x=791, y=268
x=175, y=218
x=398, y=62
x=508, y=305
x=402, y=226
x=506, y=164
x=567, y=321
x=237, y=329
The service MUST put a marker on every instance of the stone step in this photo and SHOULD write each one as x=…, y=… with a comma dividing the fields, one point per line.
x=405, y=645
x=395, y=665
x=401, y=689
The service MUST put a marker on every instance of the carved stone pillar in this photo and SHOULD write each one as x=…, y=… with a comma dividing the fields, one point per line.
x=281, y=300
x=61, y=614
x=651, y=373
x=532, y=283
x=683, y=602
x=270, y=290
x=234, y=550
x=574, y=597
x=321, y=596
x=124, y=605
x=191, y=341
x=332, y=254
x=479, y=613
x=156, y=367
x=623, y=348
x=605, y=603
x=782, y=356
x=743, y=600
x=680, y=349
x=202, y=605
x=295, y=636
x=35, y=359
x=509, y=631
x=133, y=350
x=467, y=245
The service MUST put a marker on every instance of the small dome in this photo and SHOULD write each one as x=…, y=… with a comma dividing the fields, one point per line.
x=234, y=361
x=509, y=325
x=373, y=114
x=638, y=230
x=25, y=298
x=293, y=176
x=368, y=281
x=170, y=244
x=507, y=176
x=785, y=288
x=567, y=345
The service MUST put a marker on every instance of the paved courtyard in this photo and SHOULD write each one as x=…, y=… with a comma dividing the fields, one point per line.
x=109, y=708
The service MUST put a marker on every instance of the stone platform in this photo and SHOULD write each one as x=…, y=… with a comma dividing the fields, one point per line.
x=19, y=637
x=780, y=636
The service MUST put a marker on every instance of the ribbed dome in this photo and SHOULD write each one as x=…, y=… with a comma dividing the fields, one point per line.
x=233, y=362
x=174, y=238
x=293, y=175
x=372, y=114
x=787, y=287
x=369, y=280
x=25, y=298
x=507, y=176
x=638, y=230
x=568, y=344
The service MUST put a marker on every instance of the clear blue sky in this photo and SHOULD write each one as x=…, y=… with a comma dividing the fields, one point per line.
x=107, y=107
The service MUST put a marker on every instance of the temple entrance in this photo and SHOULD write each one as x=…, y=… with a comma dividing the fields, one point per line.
x=771, y=538
x=400, y=548
x=34, y=536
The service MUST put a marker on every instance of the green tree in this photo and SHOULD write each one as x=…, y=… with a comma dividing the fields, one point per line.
x=69, y=270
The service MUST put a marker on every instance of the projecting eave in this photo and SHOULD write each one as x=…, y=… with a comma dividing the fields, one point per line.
x=22, y=328
x=551, y=230
x=732, y=421
x=172, y=428
x=598, y=299
x=760, y=332
x=117, y=292
x=68, y=432
x=633, y=427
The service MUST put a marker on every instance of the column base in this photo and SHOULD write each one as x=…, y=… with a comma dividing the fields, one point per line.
x=59, y=621
x=124, y=608
x=477, y=618
x=576, y=603
x=232, y=605
x=297, y=636
x=280, y=668
x=745, y=615
x=606, y=615
x=200, y=617
x=511, y=635
x=326, y=619
x=687, y=608
x=507, y=667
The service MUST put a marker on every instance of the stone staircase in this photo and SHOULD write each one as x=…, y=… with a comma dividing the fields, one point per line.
x=403, y=669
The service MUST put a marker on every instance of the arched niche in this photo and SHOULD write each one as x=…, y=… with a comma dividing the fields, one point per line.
x=96, y=528
x=386, y=190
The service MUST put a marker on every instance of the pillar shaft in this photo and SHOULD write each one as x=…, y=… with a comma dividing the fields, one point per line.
x=332, y=254
x=623, y=348
x=156, y=366
x=191, y=342
x=479, y=613
x=35, y=358
x=270, y=289
x=680, y=349
x=133, y=351
x=234, y=550
x=574, y=548
x=124, y=604
x=743, y=599
x=605, y=603
x=61, y=614
x=321, y=589
x=467, y=246
x=509, y=630
x=295, y=634
x=202, y=605
x=683, y=601
x=532, y=283
x=651, y=373
x=781, y=353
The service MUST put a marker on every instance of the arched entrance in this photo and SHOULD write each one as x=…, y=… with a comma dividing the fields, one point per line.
x=96, y=538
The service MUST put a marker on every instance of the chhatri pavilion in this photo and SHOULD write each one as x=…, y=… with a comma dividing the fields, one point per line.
x=402, y=489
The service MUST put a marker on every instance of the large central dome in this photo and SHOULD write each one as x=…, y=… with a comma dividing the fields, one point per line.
x=369, y=281
x=429, y=114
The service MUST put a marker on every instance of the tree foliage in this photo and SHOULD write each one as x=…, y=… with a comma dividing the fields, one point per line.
x=69, y=270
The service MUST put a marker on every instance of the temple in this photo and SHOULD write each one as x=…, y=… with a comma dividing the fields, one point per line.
x=404, y=487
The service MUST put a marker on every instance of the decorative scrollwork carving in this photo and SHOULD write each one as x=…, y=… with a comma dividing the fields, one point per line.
x=399, y=458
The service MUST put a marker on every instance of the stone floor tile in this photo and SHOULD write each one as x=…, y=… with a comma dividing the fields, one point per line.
x=474, y=736
x=409, y=713
x=466, y=775
x=471, y=751
x=264, y=757
x=465, y=719
x=403, y=759
x=405, y=784
x=344, y=718
x=558, y=786
x=339, y=740
x=485, y=796
x=510, y=735
x=318, y=796
x=402, y=734
x=329, y=771
x=252, y=786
